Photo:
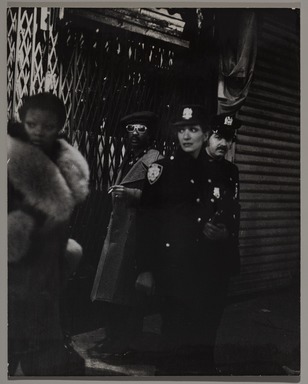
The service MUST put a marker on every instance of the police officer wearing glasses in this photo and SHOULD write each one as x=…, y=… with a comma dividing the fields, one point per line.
x=187, y=244
x=116, y=272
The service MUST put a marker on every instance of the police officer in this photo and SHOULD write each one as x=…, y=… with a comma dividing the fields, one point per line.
x=187, y=239
x=223, y=191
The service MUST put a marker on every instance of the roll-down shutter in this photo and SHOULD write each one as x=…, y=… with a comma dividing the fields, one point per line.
x=268, y=156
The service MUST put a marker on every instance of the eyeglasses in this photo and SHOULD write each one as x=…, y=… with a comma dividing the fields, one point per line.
x=140, y=128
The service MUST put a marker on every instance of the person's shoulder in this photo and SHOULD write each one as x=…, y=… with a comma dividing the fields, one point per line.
x=229, y=164
x=230, y=167
x=152, y=152
x=22, y=152
x=152, y=155
x=68, y=155
x=66, y=148
x=166, y=162
x=16, y=129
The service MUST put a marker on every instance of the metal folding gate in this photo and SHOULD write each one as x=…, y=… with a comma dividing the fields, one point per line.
x=102, y=73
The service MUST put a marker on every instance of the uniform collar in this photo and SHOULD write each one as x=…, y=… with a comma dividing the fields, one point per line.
x=187, y=157
x=211, y=159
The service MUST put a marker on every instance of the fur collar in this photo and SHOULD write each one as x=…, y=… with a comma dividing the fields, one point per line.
x=52, y=188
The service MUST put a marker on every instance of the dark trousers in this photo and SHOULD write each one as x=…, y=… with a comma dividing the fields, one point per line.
x=189, y=330
x=49, y=358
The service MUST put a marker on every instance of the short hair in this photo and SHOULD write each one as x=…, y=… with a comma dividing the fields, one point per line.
x=45, y=101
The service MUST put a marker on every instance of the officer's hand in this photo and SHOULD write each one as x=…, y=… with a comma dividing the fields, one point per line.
x=216, y=232
x=145, y=283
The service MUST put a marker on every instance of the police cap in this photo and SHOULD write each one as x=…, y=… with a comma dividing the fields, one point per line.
x=225, y=125
x=192, y=114
x=147, y=118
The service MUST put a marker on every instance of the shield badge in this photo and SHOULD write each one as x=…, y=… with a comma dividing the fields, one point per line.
x=187, y=113
x=216, y=192
x=154, y=172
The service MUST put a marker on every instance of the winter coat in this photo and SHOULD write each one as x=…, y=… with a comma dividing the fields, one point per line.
x=181, y=194
x=116, y=272
x=42, y=193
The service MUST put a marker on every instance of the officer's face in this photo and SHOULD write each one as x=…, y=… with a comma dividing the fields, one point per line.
x=138, y=136
x=191, y=138
x=218, y=146
x=42, y=127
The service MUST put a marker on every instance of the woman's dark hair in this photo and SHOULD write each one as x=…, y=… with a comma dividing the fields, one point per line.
x=44, y=101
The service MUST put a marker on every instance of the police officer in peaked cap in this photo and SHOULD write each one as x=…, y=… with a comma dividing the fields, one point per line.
x=186, y=262
x=224, y=128
x=223, y=187
x=222, y=207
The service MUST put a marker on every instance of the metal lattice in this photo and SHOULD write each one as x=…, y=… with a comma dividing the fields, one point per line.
x=23, y=60
x=53, y=67
x=107, y=76
x=101, y=75
x=32, y=59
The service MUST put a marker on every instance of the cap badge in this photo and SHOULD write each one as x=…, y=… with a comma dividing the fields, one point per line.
x=187, y=113
x=228, y=120
x=154, y=172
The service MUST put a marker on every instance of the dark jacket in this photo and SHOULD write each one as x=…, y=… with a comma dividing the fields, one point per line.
x=116, y=272
x=42, y=193
x=174, y=209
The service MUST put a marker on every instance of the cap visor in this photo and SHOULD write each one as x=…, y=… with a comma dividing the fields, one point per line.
x=185, y=122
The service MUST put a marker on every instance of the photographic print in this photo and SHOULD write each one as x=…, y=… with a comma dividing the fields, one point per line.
x=153, y=192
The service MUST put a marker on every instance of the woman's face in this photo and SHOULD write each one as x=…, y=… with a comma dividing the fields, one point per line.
x=191, y=139
x=42, y=127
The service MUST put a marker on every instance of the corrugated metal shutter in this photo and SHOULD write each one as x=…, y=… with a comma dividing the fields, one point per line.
x=268, y=156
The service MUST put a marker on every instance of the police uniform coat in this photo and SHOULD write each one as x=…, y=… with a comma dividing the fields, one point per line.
x=116, y=272
x=180, y=196
x=42, y=193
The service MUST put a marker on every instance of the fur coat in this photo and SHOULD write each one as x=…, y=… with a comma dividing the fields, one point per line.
x=42, y=193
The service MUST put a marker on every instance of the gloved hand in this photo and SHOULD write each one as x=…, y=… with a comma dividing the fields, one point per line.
x=145, y=283
x=216, y=232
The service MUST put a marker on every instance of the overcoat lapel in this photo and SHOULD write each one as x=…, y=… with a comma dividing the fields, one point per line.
x=137, y=172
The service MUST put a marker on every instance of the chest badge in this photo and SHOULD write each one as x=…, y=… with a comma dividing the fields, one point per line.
x=154, y=172
x=216, y=192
